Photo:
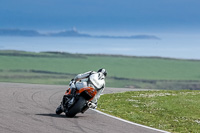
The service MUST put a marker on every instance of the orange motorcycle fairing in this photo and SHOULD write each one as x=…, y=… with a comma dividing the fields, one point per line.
x=91, y=92
x=68, y=91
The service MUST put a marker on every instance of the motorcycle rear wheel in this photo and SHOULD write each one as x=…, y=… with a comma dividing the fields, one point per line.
x=76, y=108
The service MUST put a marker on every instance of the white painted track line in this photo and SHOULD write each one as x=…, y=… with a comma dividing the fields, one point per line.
x=136, y=124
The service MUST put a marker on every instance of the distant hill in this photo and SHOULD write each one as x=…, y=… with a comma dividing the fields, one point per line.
x=18, y=32
x=67, y=33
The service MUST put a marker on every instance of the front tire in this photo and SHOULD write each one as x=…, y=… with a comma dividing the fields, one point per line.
x=77, y=107
x=59, y=110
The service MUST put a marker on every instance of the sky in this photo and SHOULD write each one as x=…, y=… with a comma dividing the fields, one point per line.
x=176, y=22
x=102, y=15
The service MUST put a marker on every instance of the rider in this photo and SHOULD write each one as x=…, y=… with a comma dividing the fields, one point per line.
x=90, y=79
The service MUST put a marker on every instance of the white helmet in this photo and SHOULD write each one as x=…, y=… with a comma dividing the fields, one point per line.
x=102, y=70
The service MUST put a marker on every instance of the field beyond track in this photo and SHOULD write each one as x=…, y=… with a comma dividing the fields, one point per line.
x=123, y=71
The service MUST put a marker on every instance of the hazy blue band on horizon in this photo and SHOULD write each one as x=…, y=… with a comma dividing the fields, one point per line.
x=172, y=46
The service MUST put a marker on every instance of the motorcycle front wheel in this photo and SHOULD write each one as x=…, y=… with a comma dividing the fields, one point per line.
x=59, y=110
x=77, y=107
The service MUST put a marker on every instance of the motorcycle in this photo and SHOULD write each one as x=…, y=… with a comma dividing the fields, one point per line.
x=72, y=105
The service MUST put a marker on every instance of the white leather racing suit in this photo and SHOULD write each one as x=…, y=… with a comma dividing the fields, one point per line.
x=91, y=79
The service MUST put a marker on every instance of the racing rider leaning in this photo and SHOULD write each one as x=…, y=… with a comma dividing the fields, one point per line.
x=90, y=79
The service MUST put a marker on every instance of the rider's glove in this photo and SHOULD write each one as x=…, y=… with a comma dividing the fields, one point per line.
x=72, y=84
x=72, y=81
x=92, y=105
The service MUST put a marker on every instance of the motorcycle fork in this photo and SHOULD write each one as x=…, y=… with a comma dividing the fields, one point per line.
x=65, y=101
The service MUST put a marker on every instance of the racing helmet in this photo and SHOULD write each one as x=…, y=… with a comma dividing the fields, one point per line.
x=102, y=70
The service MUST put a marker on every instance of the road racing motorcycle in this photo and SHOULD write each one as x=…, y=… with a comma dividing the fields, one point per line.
x=78, y=103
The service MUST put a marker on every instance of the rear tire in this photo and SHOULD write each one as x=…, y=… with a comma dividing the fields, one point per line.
x=77, y=107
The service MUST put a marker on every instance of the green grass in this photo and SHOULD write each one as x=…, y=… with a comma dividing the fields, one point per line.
x=174, y=111
x=123, y=71
x=35, y=78
x=125, y=67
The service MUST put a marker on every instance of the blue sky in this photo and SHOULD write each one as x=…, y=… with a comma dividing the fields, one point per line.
x=176, y=22
x=127, y=15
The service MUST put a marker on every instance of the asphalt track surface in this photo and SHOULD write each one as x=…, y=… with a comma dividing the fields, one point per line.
x=30, y=108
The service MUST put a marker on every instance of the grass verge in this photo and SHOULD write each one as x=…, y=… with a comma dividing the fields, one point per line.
x=173, y=111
